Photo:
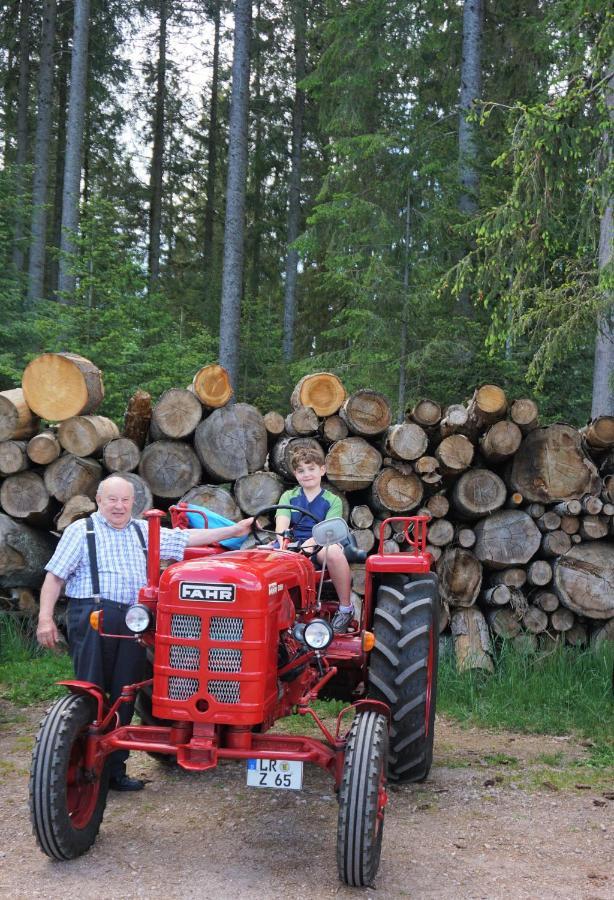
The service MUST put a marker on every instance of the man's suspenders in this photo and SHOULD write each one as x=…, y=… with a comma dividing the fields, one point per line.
x=93, y=557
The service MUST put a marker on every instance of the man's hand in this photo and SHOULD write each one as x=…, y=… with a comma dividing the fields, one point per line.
x=47, y=633
x=243, y=527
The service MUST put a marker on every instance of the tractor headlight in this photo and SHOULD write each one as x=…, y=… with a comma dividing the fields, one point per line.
x=138, y=618
x=318, y=634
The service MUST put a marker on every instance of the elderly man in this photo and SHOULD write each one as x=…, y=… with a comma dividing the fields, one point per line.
x=101, y=561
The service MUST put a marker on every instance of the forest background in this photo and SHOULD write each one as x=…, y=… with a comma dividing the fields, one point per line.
x=415, y=196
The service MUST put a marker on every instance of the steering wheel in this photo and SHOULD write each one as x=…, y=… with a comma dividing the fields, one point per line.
x=254, y=527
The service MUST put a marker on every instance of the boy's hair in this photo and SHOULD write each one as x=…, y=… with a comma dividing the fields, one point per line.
x=305, y=456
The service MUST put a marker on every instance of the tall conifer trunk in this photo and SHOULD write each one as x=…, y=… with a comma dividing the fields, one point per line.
x=38, y=228
x=22, y=130
x=234, y=230
x=404, y=315
x=603, y=392
x=74, y=146
x=60, y=139
x=157, y=162
x=258, y=174
x=294, y=186
x=212, y=141
x=471, y=88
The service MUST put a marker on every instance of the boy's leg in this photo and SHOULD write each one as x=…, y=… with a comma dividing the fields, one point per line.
x=340, y=573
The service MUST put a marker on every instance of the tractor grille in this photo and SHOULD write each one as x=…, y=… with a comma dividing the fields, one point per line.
x=225, y=691
x=184, y=657
x=181, y=688
x=225, y=628
x=222, y=659
x=185, y=626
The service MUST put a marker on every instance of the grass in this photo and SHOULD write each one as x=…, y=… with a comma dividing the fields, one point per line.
x=28, y=673
x=566, y=691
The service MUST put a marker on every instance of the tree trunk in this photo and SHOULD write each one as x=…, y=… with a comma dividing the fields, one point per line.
x=460, y=577
x=211, y=384
x=599, y=434
x=22, y=132
x=584, y=579
x=524, y=413
x=454, y=420
x=535, y=620
x=551, y=466
x=478, y=493
x=77, y=507
x=121, y=455
x=232, y=442
x=143, y=499
x=512, y=577
x=426, y=413
x=42, y=141
x=137, y=418
x=507, y=538
x=438, y=506
x=86, y=435
x=545, y=600
x=501, y=441
x=43, y=448
x=487, y=406
x=406, y=441
x=302, y=422
x=503, y=622
x=176, y=414
x=64, y=43
x=322, y=391
x=366, y=413
x=232, y=276
x=274, y=424
x=70, y=475
x=212, y=138
x=13, y=457
x=404, y=330
x=470, y=91
x=498, y=595
x=254, y=492
x=334, y=429
x=603, y=392
x=57, y=386
x=593, y=528
x=427, y=467
x=23, y=554
x=170, y=468
x=562, y=619
x=441, y=533
x=472, y=645
x=455, y=454
x=394, y=492
x=361, y=517
x=215, y=498
x=157, y=159
x=16, y=418
x=352, y=464
x=74, y=145
x=539, y=573
x=24, y=496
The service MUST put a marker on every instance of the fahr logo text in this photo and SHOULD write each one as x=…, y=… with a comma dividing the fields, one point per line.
x=222, y=593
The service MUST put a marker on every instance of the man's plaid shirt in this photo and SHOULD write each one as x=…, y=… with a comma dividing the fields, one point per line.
x=122, y=567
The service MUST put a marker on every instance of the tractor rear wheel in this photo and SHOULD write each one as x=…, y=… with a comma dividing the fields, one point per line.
x=362, y=800
x=67, y=802
x=403, y=669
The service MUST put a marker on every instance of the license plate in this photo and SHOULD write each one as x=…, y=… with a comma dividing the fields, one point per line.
x=275, y=773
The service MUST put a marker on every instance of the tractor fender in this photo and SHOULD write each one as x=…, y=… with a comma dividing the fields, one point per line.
x=94, y=690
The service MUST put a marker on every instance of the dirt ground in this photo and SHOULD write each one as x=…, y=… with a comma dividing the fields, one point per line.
x=501, y=816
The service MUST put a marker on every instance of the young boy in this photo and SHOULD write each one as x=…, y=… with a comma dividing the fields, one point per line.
x=308, y=467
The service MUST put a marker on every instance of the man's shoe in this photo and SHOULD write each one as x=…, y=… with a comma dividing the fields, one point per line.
x=341, y=621
x=125, y=783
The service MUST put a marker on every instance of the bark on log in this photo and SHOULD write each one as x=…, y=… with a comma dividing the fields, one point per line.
x=438, y=505
x=302, y=422
x=498, y=595
x=69, y=475
x=77, y=507
x=86, y=435
x=455, y=420
x=215, y=498
x=274, y=424
x=426, y=413
x=514, y=577
x=282, y=452
x=212, y=386
x=507, y=538
x=121, y=455
x=254, y=492
x=472, y=645
x=394, y=492
x=333, y=429
x=366, y=413
x=593, y=528
x=488, y=405
x=352, y=464
x=460, y=577
x=546, y=600
x=501, y=441
x=57, y=386
x=562, y=619
x=170, y=468
x=455, y=454
x=556, y=543
x=361, y=516
x=17, y=421
x=477, y=493
x=24, y=496
x=427, y=467
x=13, y=457
x=551, y=466
x=43, y=448
x=323, y=391
x=535, y=620
x=24, y=552
x=599, y=434
x=539, y=573
x=524, y=413
x=232, y=442
x=137, y=418
x=440, y=532
x=143, y=499
x=584, y=579
x=176, y=414
x=568, y=508
x=407, y=441
x=503, y=622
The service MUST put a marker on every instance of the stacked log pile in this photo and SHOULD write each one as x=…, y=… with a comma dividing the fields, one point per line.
x=521, y=516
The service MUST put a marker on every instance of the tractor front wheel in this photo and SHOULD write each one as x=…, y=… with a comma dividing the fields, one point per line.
x=67, y=802
x=362, y=800
x=403, y=669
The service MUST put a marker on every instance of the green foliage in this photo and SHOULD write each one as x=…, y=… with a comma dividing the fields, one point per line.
x=28, y=673
x=563, y=692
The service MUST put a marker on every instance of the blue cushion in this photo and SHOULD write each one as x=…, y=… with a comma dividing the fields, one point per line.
x=214, y=520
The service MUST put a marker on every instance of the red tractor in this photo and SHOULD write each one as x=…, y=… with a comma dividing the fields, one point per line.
x=239, y=640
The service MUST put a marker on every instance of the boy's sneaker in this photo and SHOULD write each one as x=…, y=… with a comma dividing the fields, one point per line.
x=342, y=620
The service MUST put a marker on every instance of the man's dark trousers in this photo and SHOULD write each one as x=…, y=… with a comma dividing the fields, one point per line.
x=108, y=662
